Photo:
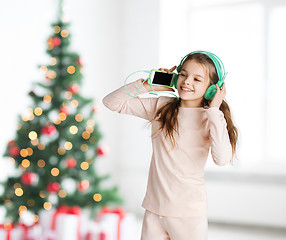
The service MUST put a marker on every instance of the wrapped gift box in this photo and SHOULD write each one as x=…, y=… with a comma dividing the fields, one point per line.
x=20, y=232
x=113, y=225
x=61, y=224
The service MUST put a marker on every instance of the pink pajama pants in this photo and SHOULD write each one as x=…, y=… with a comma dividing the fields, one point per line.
x=156, y=227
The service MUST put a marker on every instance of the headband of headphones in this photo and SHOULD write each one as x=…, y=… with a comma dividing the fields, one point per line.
x=216, y=60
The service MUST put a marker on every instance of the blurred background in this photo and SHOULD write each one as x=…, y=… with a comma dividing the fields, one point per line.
x=117, y=37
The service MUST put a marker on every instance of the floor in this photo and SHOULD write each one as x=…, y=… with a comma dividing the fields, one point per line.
x=225, y=232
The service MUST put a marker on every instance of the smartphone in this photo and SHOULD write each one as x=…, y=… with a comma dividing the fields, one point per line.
x=159, y=78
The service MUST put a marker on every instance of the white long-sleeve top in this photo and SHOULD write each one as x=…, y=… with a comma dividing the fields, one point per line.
x=176, y=186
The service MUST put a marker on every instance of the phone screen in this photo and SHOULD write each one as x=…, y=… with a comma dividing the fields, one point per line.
x=162, y=78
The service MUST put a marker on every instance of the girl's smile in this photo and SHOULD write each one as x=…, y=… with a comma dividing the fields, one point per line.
x=192, y=84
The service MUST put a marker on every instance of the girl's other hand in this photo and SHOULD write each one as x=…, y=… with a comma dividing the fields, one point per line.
x=218, y=97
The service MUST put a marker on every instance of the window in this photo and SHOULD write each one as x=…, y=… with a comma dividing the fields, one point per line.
x=249, y=38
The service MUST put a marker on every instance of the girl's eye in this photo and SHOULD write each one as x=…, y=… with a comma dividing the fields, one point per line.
x=197, y=80
x=181, y=74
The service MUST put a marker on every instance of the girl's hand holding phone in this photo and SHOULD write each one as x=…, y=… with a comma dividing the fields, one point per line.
x=160, y=88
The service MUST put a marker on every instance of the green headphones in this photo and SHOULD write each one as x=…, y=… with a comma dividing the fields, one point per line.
x=211, y=91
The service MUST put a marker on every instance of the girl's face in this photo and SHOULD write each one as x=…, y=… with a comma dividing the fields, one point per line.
x=192, y=84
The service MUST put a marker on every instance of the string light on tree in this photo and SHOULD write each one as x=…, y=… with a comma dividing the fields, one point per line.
x=71, y=69
x=51, y=74
x=35, y=142
x=74, y=103
x=97, y=197
x=25, y=163
x=41, y=163
x=57, y=29
x=44, y=69
x=62, y=193
x=84, y=166
x=24, y=152
x=41, y=146
x=84, y=147
x=61, y=151
x=62, y=116
x=30, y=150
x=73, y=129
x=12, y=160
x=55, y=172
x=85, y=135
x=47, y=205
x=53, y=61
x=64, y=33
x=33, y=135
x=68, y=95
x=68, y=145
x=47, y=98
x=78, y=118
x=19, y=192
x=38, y=111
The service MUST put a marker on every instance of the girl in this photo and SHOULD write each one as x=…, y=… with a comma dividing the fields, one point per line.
x=183, y=130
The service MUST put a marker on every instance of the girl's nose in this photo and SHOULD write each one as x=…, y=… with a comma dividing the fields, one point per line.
x=187, y=82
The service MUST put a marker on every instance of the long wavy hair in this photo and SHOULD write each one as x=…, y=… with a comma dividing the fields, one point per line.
x=167, y=114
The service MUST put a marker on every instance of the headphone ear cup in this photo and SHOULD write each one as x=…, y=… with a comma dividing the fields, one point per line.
x=179, y=68
x=211, y=91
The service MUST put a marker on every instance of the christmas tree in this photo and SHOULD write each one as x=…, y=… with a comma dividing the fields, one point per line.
x=57, y=141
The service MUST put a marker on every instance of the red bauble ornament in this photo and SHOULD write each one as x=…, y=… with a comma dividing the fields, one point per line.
x=83, y=185
x=14, y=151
x=29, y=178
x=70, y=163
x=49, y=129
x=53, y=187
x=79, y=62
x=56, y=41
x=101, y=151
x=64, y=110
x=95, y=109
x=74, y=88
x=11, y=143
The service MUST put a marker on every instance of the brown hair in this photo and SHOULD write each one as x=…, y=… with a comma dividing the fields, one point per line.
x=168, y=113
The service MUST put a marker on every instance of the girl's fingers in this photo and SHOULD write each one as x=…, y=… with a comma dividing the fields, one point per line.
x=168, y=70
x=164, y=70
x=173, y=68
